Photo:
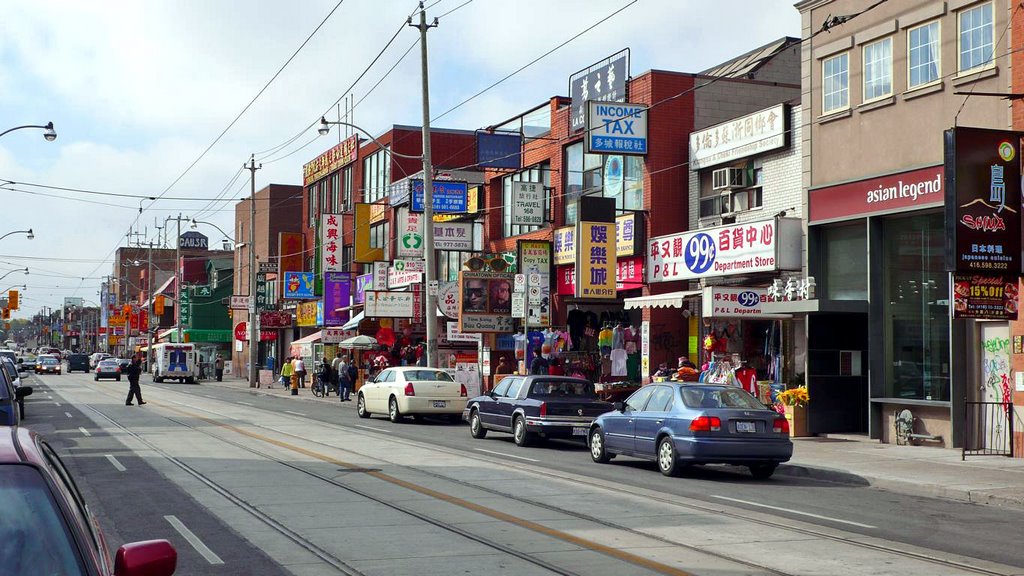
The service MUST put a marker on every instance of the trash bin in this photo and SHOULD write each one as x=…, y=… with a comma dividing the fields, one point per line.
x=270, y=363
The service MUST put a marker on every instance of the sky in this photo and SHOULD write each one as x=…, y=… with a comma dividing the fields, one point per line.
x=137, y=91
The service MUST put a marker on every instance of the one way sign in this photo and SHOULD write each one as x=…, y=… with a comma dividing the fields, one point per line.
x=614, y=128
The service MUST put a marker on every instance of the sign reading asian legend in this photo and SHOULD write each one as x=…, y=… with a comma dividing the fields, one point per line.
x=764, y=246
x=595, y=260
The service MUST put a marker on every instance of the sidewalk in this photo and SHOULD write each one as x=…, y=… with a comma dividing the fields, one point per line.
x=852, y=459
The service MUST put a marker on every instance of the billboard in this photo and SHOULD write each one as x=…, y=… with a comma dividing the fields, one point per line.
x=616, y=129
x=595, y=260
x=499, y=150
x=299, y=285
x=486, y=302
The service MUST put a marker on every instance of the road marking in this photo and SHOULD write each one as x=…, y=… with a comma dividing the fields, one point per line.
x=295, y=413
x=84, y=431
x=194, y=540
x=120, y=467
x=68, y=414
x=507, y=455
x=370, y=428
x=246, y=403
x=57, y=403
x=791, y=511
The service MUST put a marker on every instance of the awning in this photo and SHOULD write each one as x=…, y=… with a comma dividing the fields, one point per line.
x=667, y=300
x=311, y=339
x=354, y=322
x=196, y=335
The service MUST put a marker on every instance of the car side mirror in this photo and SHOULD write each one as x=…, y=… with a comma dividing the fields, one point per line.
x=22, y=391
x=619, y=407
x=148, y=558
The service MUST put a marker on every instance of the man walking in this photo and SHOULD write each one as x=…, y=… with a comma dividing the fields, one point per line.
x=218, y=368
x=134, y=370
x=336, y=375
x=344, y=378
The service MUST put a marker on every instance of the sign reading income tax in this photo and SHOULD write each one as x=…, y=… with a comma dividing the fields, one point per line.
x=616, y=129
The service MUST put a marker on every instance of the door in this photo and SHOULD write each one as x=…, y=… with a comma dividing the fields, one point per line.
x=376, y=393
x=619, y=428
x=649, y=421
x=995, y=362
x=488, y=407
x=506, y=405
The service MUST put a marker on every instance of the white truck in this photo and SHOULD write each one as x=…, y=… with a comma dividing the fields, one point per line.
x=175, y=362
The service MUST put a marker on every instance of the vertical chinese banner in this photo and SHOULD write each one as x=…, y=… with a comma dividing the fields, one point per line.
x=595, y=260
x=290, y=252
x=330, y=243
x=337, y=292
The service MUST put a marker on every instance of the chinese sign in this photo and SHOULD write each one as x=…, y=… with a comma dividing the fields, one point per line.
x=535, y=265
x=616, y=129
x=290, y=247
x=527, y=203
x=499, y=150
x=448, y=299
x=330, y=243
x=185, y=310
x=336, y=335
x=299, y=285
x=595, y=260
x=305, y=314
x=629, y=275
x=763, y=246
x=983, y=201
x=329, y=161
x=275, y=319
x=629, y=233
x=565, y=245
x=748, y=135
x=380, y=275
x=910, y=190
x=409, y=234
x=337, y=291
x=448, y=196
x=986, y=297
x=722, y=302
x=405, y=272
x=605, y=81
x=486, y=302
x=453, y=236
x=390, y=304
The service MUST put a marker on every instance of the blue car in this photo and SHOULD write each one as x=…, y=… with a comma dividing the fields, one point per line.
x=677, y=425
x=10, y=398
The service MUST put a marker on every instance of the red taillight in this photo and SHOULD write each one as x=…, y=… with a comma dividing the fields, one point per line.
x=705, y=424
x=409, y=390
x=781, y=426
x=462, y=390
x=543, y=408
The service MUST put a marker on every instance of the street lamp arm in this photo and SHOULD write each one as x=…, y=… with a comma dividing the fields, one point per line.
x=50, y=133
x=325, y=127
x=226, y=235
x=5, y=291
x=29, y=232
x=25, y=270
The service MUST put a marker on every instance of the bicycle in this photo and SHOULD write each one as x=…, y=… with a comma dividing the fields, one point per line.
x=320, y=388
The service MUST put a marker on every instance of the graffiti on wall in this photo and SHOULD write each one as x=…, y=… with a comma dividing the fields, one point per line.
x=995, y=367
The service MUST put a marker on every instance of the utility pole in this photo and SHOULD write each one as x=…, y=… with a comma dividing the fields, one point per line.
x=178, y=288
x=429, y=255
x=254, y=331
x=150, y=331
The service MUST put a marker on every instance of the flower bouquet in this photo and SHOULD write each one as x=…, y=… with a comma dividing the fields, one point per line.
x=794, y=396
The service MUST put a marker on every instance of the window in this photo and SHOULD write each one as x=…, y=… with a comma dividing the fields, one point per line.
x=515, y=387
x=379, y=235
x=636, y=402
x=661, y=399
x=335, y=193
x=835, y=80
x=43, y=541
x=427, y=376
x=610, y=176
x=540, y=173
x=746, y=199
x=975, y=42
x=376, y=176
x=728, y=397
x=573, y=181
x=502, y=387
x=314, y=196
x=346, y=190
x=347, y=255
x=878, y=70
x=846, y=262
x=923, y=55
x=714, y=206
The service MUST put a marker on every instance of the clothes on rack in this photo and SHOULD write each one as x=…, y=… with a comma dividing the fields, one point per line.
x=618, y=358
x=618, y=338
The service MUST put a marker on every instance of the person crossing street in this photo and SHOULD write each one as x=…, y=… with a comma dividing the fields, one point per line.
x=134, y=370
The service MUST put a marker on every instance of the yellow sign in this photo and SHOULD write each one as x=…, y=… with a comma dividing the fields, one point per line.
x=114, y=340
x=117, y=320
x=595, y=260
x=565, y=245
x=12, y=299
x=305, y=314
x=626, y=229
x=7, y=314
x=158, y=305
x=330, y=161
x=362, y=250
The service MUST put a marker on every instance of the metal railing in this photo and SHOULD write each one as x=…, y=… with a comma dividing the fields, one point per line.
x=988, y=429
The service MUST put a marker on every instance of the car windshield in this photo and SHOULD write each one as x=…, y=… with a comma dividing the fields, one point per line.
x=563, y=388
x=427, y=376
x=33, y=539
x=49, y=361
x=698, y=397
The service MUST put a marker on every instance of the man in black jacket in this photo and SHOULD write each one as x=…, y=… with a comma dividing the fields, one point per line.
x=134, y=370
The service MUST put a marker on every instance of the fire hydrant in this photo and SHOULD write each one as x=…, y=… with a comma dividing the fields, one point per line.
x=295, y=384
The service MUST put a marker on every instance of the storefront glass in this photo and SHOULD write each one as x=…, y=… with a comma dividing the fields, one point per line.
x=916, y=308
x=846, y=262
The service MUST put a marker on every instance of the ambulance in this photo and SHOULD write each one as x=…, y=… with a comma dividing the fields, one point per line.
x=174, y=362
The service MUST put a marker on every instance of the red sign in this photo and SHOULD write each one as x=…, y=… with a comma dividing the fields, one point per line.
x=893, y=193
x=265, y=335
x=988, y=297
x=274, y=319
x=629, y=275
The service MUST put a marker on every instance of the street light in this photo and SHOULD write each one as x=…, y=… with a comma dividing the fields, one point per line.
x=325, y=127
x=28, y=232
x=13, y=271
x=48, y=132
x=227, y=237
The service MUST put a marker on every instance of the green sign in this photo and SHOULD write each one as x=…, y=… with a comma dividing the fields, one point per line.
x=204, y=291
x=185, y=316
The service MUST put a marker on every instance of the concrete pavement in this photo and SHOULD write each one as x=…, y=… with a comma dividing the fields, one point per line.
x=853, y=459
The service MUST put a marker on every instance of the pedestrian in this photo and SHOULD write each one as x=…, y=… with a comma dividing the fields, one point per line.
x=335, y=373
x=218, y=368
x=300, y=371
x=343, y=377
x=324, y=376
x=409, y=356
x=287, y=371
x=539, y=364
x=134, y=370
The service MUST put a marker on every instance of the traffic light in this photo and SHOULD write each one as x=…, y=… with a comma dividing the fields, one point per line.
x=7, y=314
x=12, y=299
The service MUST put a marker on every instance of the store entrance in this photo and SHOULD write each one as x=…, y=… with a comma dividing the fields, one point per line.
x=837, y=373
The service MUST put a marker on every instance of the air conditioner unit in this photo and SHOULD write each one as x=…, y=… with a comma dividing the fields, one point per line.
x=728, y=178
x=726, y=199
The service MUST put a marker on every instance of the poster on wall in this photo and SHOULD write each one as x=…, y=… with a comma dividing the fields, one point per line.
x=983, y=201
x=486, y=302
x=985, y=297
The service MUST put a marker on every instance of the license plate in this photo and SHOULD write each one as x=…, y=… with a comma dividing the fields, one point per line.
x=746, y=427
x=579, y=430
x=440, y=403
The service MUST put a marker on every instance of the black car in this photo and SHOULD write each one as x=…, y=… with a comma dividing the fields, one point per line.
x=536, y=406
x=78, y=362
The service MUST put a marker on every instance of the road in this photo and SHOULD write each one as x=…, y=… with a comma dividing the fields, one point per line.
x=244, y=483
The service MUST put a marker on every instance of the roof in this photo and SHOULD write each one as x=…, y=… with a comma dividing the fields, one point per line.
x=744, y=65
x=221, y=263
x=18, y=445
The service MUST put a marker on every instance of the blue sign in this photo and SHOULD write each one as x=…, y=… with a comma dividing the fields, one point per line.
x=700, y=253
x=748, y=299
x=499, y=150
x=616, y=129
x=319, y=312
x=448, y=196
x=299, y=285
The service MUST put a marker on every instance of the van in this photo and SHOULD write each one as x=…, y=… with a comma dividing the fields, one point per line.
x=78, y=362
x=175, y=362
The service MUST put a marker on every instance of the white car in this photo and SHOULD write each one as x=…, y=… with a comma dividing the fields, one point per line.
x=411, y=390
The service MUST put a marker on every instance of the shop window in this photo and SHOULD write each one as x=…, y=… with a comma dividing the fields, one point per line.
x=376, y=176
x=878, y=70
x=347, y=257
x=541, y=174
x=835, y=83
x=335, y=193
x=923, y=55
x=610, y=176
x=846, y=262
x=916, y=308
x=975, y=39
x=314, y=203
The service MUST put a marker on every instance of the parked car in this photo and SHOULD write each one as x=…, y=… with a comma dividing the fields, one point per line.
x=411, y=390
x=49, y=528
x=47, y=364
x=9, y=396
x=78, y=362
x=20, y=390
x=677, y=425
x=108, y=368
x=6, y=353
x=536, y=406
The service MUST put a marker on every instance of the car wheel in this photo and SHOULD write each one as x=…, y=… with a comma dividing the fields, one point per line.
x=597, y=449
x=361, y=407
x=762, y=471
x=519, y=432
x=97, y=378
x=118, y=378
x=668, y=464
x=393, y=414
x=476, y=427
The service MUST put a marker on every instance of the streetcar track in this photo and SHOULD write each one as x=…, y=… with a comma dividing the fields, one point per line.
x=581, y=480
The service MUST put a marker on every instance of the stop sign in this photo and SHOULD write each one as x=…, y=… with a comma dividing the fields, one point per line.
x=240, y=331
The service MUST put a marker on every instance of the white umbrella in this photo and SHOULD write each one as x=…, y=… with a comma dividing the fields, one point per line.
x=359, y=343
